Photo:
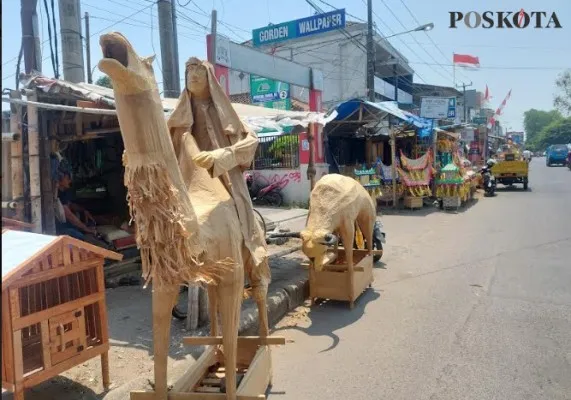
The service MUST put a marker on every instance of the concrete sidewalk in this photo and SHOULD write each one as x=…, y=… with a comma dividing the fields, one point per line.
x=281, y=216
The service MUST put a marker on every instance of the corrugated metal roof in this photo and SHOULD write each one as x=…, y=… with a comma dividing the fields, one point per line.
x=254, y=116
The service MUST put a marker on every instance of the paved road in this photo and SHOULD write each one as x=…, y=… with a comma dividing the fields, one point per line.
x=474, y=305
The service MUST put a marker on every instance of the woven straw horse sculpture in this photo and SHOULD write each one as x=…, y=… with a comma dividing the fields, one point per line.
x=187, y=232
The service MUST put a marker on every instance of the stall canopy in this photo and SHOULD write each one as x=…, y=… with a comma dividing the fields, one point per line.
x=260, y=119
x=356, y=113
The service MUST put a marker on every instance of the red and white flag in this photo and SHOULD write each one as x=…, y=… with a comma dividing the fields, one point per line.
x=466, y=61
x=487, y=96
x=499, y=110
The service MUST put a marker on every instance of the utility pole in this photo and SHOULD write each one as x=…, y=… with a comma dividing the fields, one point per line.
x=176, y=60
x=88, y=49
x=396, y=76
x=71, y=47
x=463, y=86
x=370, y=53
x=30, y=36
x=213, y=32
x=167, y=47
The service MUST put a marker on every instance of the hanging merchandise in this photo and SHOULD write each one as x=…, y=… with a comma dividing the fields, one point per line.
x=418, y=164
x=417, y=182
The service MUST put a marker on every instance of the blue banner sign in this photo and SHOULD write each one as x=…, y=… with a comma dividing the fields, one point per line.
x=299, y=28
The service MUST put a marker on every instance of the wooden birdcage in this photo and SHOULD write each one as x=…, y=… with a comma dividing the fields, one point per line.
x=54, y=315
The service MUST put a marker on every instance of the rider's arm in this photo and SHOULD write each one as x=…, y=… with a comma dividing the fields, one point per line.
x=239, y=154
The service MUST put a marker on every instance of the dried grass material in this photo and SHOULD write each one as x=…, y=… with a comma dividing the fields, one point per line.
x=171, y=252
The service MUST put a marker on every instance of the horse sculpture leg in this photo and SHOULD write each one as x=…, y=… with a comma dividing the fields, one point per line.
x=213, y=310
x=259, y=277
x=164, y=299
x=230, y=292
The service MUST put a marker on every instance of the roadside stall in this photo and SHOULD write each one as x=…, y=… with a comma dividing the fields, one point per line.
x=362, y=142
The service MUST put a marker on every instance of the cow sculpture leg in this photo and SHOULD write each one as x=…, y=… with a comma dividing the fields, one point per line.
x=164, y=299
x=366, y=224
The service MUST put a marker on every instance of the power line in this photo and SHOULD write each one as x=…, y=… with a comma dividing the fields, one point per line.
x=426, y=33
x=414, y=38
x=498, y=67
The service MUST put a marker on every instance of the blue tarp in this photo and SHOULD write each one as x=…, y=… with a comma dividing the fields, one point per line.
x=347, y=108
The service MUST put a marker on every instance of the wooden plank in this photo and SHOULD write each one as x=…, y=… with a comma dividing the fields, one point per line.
x=9, y=386
x=15, y=303
x=46, y=345
x=140, y=395
x=101, y=306
x=39, y=377
x=93, y=249
x=341, y=268
x=196, y=371
x=19, y=323
x=242, y=340
x=7, y=345
x=18, y=358
x=55, y=273
x=259, y=374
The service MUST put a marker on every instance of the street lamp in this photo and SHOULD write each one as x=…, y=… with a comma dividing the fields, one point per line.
x=421, y=28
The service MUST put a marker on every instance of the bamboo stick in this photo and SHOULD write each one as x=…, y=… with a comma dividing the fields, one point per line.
x=17, y=164
x=34, y=163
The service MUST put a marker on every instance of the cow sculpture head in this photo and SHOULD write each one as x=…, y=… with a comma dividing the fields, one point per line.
x=315, y=245
x=129, y=73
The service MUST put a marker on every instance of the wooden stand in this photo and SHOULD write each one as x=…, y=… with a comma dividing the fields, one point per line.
x=205, y=379
x=335, y=282
x=53, y=308
x=413, y=202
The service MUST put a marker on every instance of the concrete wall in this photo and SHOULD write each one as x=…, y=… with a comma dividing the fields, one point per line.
x=294, y=182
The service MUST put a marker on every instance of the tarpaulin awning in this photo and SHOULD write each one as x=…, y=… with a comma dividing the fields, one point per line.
x=259, y=119
x=363, y=112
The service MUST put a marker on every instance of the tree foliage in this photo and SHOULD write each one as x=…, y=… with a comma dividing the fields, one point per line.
x=557, y=132
x=563, y=100
x=535, y=121
x=104, y=81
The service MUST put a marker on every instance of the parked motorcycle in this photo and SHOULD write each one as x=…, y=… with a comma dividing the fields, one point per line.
x=267, y=195
x=489, y=179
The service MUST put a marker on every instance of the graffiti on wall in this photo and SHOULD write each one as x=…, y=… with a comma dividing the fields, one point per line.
x=282, y=179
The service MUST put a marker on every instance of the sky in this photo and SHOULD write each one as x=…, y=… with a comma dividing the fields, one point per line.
x=527, y=61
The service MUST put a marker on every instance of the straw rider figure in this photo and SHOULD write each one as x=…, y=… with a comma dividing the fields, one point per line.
x=227, y=149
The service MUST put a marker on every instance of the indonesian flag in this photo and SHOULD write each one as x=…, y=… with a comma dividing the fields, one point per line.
x=499, y=110
x=487, y=96
x=466, y=61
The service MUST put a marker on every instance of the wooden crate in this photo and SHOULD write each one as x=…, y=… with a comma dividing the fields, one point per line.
x=53, y=308
x=413, y=202
x=336, y=282
x=205, y=378
x=451, y=202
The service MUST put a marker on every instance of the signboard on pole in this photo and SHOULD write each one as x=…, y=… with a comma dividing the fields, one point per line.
x=269, y=93
x=438, y=107
x=299, y=28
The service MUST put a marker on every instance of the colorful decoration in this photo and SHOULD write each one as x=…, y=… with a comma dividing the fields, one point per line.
x=417, y=182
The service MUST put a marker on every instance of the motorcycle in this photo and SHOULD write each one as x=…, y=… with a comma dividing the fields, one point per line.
x=266, y=195
x=489, y=179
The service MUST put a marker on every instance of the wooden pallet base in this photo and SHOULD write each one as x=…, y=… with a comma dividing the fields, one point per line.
x=334, y=282
x=205, y=379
